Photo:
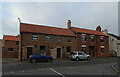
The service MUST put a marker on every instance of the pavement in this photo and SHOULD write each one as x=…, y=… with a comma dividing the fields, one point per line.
x=96, y=66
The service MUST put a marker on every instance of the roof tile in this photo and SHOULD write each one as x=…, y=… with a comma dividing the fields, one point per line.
x=11, y=38
x=87, y=31
x=45, y=29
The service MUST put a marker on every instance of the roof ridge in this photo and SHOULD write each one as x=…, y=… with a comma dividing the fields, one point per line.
x=84, y=28
x=11, y=35
x=44, y=26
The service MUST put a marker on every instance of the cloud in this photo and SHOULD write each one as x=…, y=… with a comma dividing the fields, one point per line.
x=82, y=14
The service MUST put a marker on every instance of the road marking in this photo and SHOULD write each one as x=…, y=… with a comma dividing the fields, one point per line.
x=56, y=72
x=12, y=72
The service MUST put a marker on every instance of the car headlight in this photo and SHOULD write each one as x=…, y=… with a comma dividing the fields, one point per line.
x=30, y=56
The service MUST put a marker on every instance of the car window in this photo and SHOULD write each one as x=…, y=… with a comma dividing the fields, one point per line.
x=79, y=53
x=73, y=53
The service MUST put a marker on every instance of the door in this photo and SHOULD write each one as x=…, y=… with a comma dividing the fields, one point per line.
x=91, y=51
x=29, y=51
x=80, y=55
x=58, y=52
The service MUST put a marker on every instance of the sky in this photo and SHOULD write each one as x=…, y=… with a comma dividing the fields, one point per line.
x=87, y=15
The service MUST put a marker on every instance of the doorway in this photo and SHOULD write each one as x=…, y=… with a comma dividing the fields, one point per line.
x=91, y=51
x=58, y=52
x=29, y=51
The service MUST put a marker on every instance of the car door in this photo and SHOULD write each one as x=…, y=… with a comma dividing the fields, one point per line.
x=84, y=56
x=80, y=55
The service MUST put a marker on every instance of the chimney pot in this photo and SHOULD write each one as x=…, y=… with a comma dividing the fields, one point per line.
x=98, y=29
x=69, y=23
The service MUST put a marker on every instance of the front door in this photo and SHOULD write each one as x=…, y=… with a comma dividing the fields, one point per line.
x=91, y=51
x=58, y=52
x=29, y=51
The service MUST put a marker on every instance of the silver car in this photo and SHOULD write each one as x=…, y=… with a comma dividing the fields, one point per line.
x=79, y=55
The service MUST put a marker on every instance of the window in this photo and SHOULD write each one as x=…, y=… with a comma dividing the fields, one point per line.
x=79, y=53
x=68, y=49
x=42, y=49
x=34, y=37
x=102, y=50
x=83, y=37
x=92, y=38
x=47, y=38
x=10, y=49
x=112, y=39
x=69, y=40
x=17, y=43
x=84, y=49
x=58, y=39
x=102, y=38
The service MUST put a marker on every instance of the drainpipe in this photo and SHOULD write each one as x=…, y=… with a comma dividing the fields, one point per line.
x=20, y=45
x=118, y=55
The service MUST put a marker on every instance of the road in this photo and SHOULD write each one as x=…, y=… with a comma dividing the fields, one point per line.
x=97, y=66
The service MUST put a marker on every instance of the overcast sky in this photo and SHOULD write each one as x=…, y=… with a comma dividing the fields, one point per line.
x=82, y=14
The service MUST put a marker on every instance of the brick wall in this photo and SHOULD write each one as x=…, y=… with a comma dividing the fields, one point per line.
x=10, y=54
x=35, y=44
x=96, y=44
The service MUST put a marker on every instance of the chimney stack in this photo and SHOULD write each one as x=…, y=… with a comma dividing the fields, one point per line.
x=98, y=29
x=69, y=24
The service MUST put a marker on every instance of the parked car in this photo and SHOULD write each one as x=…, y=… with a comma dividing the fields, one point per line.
x=79, y=55
x=34, y=58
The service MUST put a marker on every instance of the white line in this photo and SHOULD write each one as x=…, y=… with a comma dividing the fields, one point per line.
x=57, y=72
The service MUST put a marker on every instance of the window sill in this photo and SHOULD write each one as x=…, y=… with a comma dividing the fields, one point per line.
x=47, y=41
x=10, y=51
x=69, y=42
x=68, y=53
x=34, y=40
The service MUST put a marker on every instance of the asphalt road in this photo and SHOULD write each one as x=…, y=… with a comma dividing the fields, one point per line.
x=97, y=66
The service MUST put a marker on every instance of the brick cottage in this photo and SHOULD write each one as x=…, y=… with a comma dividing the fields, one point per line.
x=59, y=42
x=10, y=47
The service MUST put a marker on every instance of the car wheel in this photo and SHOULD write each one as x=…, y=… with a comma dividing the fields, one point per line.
x=88, y=58
x=77, y=59
x=34, y=61
x=49, y=60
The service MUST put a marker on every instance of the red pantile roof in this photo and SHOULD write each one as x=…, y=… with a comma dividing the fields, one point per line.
x=87, y=31
x=11, y=38
x=24, y=27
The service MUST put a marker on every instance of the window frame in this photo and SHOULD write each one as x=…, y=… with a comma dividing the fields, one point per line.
x=84, y=50
x=47, y=38
x=69, y=40
x=67, y=49
x=101, y=38
x=9, y=50
x=42, y=49
x=59, y=39
x=17, y=43
x=102, y=48
x=83, y=37
x=92, y=39
x=34, y=37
